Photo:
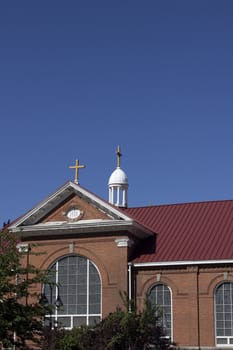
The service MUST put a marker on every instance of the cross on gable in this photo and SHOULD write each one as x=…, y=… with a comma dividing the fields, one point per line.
x=76, y=167
x=118, y=152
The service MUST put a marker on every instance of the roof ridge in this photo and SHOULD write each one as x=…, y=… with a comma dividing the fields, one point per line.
x=181, y=203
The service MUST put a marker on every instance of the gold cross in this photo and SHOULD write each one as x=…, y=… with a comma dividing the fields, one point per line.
x=118, y=156
x=76, y=167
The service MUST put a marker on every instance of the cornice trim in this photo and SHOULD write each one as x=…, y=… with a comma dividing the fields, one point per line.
x=182, y=263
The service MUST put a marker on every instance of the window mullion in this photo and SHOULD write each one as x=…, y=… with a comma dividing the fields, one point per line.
x=73, y=273
x=88, y=274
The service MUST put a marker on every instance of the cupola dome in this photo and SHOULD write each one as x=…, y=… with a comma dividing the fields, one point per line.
x=118, y=177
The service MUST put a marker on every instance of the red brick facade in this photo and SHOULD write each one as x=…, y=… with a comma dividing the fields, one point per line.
x=192, y=290
x=111, y=240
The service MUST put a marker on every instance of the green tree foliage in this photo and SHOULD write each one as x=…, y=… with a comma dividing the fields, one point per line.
x=20, y=311
x=121, y=330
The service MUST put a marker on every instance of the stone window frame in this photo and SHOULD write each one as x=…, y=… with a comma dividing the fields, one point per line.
x=65, y=316
x=170, y=306
x=223, y=314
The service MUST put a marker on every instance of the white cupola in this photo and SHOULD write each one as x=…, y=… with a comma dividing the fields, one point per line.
x=118, y=184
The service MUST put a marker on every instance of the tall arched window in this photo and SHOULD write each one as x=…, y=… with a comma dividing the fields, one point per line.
x=224, y=314
x=75, y=280
x=160, y=295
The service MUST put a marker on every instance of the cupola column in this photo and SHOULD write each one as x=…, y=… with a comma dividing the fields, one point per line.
x=124, y=198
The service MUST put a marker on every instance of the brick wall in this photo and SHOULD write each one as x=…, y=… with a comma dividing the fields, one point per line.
x=192, y=287
x=110, y=260
x=192, y=291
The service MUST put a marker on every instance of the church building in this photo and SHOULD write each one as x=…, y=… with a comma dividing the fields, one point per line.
x=180, y=256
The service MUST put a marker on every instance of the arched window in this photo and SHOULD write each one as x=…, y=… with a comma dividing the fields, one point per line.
x=160, y=295
x=224, y=314
x=75, y=281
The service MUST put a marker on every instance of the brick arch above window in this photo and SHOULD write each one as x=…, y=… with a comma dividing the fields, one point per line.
x=158, y=278
x=61, y=251
x=218, y=278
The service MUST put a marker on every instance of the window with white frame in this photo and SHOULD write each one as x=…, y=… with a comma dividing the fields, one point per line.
x=75, y=282
x=160, y=295
x=224, y=314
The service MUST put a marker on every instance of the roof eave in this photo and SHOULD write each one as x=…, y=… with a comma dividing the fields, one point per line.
x=62, y=229
x=182, y=263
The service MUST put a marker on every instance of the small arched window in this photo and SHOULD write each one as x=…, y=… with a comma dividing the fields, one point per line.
x=224, y=314
x=75, y=281
x=160, y=295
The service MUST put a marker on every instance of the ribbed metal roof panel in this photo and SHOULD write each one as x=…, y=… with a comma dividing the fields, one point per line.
x=187, y=232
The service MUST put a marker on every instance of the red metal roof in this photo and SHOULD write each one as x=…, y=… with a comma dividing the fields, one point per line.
x=186, y=232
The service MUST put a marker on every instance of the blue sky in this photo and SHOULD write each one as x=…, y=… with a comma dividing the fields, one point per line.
x=77, y=78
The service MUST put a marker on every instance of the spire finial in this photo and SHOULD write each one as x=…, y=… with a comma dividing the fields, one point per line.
x=76, y=167
x=118, y=156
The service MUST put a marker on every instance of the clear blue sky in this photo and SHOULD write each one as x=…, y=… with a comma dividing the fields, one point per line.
x=77, y=78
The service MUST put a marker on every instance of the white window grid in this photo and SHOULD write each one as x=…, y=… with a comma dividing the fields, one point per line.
x=224, y=314
x=166, y=317
x=86, y=317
